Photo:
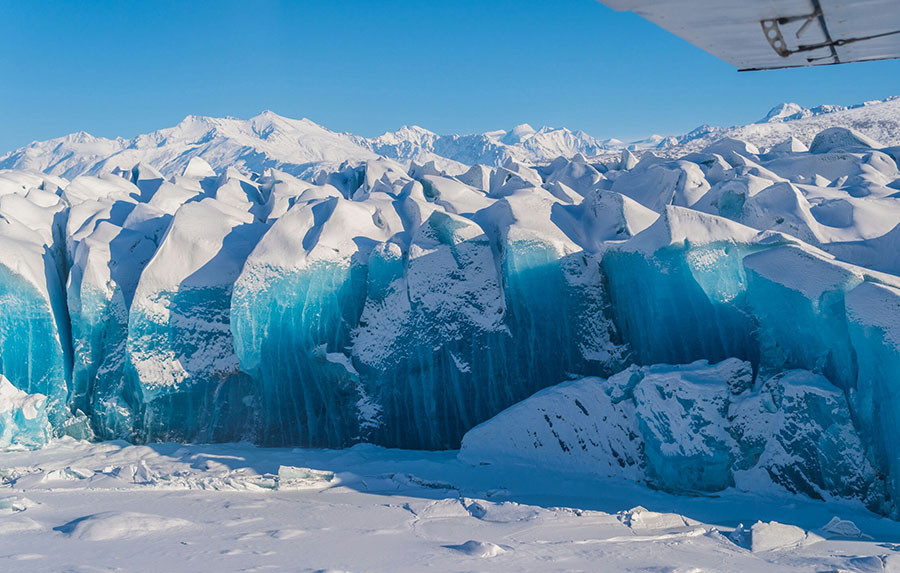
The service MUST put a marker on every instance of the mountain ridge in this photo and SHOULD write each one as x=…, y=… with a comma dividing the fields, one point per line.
x=301, y=146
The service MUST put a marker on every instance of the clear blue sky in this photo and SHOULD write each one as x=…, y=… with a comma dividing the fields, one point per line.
x=366, y=66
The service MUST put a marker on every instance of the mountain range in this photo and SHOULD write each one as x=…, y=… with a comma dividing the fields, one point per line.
x=302, y=147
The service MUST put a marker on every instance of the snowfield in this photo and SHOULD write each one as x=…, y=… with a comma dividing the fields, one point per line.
x=523, y=350
x=76, y=506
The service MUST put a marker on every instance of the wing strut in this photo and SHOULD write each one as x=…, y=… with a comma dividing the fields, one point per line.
x=772, y=31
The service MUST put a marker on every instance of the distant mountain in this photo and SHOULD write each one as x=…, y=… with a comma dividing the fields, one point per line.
x=294, y=146
x=522, y=143
x=878, y=119
x=792, y=111
x=267, y=140
x=302, y=147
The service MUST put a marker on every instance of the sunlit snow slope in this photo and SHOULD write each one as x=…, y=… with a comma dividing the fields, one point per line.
x=403, y=304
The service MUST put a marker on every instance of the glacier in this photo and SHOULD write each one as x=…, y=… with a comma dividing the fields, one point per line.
x=691, y=428
x=726, y=318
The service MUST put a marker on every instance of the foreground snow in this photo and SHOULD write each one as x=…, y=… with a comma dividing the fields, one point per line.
x=80, y=506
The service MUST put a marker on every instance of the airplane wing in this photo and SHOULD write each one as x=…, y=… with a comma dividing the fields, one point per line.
x=769, y=34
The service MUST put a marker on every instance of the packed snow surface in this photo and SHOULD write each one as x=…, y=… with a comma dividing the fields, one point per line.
x=723, y=318
x=229, y=507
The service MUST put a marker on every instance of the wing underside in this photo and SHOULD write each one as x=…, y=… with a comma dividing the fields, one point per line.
x=769, y=34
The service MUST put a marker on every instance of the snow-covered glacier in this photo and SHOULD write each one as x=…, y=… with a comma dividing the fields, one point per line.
x=725, y=318
x=691, y=428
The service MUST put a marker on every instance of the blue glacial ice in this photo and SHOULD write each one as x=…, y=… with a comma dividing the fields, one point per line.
x=180, y=359
x=294, y=305
x=34, y=334
x=24, y=421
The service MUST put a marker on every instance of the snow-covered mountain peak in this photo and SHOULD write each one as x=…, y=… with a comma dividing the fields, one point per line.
x=271, y=121
x=80, y=137
x=783, y=111
x=192, y=130
x=407, y=133
x=518, y=134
